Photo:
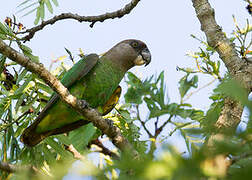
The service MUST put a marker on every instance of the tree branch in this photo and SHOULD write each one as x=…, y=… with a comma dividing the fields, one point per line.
x=104, y=150
x=10, y=168
x=237, y=67
x=105, y=125
x=74, y=152
x=93, y=19
x=240, y=157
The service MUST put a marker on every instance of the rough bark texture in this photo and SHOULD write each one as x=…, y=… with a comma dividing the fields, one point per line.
x=105, y=125
x=237, y=67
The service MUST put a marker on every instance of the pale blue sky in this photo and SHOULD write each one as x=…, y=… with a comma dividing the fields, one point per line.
x=165, y=26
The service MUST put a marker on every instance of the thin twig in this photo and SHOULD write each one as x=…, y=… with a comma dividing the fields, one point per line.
x=17, y=120
x=234, y=159
x=156, y=123
x=104, y=150
x=160, y=129
x=197, y=90
x=93, y=19
x=74, y=152
x=142, y=122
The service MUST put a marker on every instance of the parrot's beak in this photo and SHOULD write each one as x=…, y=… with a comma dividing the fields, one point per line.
x=143, y=58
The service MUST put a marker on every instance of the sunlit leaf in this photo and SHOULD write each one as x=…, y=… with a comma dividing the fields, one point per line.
x=49, y=6
x=55, y=2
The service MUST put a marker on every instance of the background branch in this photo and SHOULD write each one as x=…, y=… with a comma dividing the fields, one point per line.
x=105, y=125
x=104, y=150
x=74, y=152
x=238, y=68
x=93, y=19
x=10, y=168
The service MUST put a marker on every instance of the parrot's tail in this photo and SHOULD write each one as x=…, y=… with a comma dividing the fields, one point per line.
x=31, y=138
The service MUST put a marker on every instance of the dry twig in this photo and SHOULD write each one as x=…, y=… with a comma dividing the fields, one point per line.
x=93, y=19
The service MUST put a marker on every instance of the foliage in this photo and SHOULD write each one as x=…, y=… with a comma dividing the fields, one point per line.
x=29, y=6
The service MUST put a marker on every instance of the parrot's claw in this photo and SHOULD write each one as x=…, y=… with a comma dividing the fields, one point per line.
x=84, y=104
x=110, y=122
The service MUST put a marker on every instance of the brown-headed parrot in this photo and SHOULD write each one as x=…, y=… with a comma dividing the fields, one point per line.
x=93, y=79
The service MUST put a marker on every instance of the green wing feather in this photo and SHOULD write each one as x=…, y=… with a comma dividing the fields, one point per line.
x=78, y=71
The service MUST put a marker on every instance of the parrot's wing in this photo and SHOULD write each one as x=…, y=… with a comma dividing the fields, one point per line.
x=113, y=100
x=78, y=71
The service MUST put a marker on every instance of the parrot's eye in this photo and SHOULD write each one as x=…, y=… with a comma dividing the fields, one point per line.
x=134, y=44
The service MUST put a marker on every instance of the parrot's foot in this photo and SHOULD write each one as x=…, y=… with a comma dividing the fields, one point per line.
x=110, y=122
x=84, y=104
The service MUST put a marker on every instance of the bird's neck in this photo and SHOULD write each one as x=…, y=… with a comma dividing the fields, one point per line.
x=119, y=58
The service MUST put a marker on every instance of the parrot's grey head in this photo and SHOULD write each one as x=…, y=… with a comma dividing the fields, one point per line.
x=129, y=53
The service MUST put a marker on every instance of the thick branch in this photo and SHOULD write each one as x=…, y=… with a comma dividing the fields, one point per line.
x=238, y=68
x=9, y=167
x=93, y=19
x=105, y=125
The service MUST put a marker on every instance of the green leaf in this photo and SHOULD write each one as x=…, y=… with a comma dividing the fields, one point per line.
x=70, y=54
x=42, y=11
x=32, y=57
x=81, y=136
x=185, y=105
x=19, y=102
x=55, y=2
x=20, y=129
x=44, y=87
x=133, y=79
x=3, y=29
x=3, y=37
x=125, y=114
x=21, y=76
x=133, y=96
x=57, y=147
x=25, y=49
x=23, y=3
x=233, y=89
x=37, y=16
x=49, y=6
x=63, y=139
x=137, y=89
x=185, y=84
x=211, y=117
x=49, y=156
x=23, y=86
x=27, y=7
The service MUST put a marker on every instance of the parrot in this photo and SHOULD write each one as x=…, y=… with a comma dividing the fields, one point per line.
x=93, y=79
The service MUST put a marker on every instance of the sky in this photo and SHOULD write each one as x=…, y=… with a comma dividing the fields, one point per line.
x=165, y=26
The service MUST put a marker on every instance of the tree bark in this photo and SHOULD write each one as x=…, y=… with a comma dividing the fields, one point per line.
x=239, y=69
